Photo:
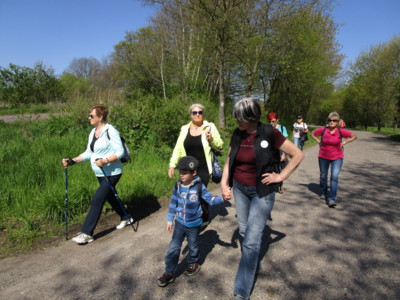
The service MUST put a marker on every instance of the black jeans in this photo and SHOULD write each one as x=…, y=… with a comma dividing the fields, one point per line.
x=102, y=194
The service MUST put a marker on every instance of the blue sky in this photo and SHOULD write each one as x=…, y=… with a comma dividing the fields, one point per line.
x=57, y=31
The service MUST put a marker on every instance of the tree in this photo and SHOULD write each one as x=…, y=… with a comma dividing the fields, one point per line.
x=374, y=85
x=22, y=85
x=85, y=67
x=305, y=59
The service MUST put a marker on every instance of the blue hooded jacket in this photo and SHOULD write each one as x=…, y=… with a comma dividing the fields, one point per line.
x=187, y=210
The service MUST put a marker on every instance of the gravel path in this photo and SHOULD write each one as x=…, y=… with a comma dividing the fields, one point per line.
x=32, y=117
x=310, y=251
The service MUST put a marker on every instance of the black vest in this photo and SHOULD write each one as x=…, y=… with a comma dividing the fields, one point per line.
x=267, y=156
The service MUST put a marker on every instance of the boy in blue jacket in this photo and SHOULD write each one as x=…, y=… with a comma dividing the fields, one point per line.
x=186, y=209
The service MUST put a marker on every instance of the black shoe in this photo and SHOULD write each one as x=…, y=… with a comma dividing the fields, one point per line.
x=192, y=269
x=165, y=279
x=331, y=204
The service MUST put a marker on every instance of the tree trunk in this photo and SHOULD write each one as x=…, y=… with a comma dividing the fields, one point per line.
x=162, y=73
x=221, y=94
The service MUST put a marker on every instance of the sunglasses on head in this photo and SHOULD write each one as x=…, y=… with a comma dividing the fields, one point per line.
x=200, y=112
x=92, y=116
x=332, y=120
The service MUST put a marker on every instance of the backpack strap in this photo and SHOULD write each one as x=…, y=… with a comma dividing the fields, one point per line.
x=200, y=191
x=322, y=136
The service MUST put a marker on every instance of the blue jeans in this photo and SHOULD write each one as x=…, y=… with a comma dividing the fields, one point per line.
x=336, y=166
x=102, y=194
x=299, y=143
x=252, y=213
x=172, y=256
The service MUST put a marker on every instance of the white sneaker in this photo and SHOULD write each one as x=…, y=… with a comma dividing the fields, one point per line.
x=83, y=239
x=125, y=223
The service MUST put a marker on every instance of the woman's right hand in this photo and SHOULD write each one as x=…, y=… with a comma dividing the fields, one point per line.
x=171, y=172
x=64, y=161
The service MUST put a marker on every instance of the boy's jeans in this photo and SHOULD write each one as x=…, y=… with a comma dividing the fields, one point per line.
x=336, y=166
x=252, y=213
x=172, y=256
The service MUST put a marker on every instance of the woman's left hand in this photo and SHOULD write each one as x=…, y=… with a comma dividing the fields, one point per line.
x=270, y=178
x=99, y=162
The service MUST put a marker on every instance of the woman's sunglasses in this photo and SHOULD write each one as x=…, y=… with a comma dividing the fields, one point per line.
x=200, y=112
x=331, y=120
x=92, y=116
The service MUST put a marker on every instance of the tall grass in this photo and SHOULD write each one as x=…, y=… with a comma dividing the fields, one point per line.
x=32, y=189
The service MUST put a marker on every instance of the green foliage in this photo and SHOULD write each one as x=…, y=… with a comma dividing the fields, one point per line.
x=75, y=86
x=23, y=85
x=372, y=95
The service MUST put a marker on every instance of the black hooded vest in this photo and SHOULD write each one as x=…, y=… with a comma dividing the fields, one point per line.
x=267, y=156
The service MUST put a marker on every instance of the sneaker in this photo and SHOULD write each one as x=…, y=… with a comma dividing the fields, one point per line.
x=125, y=223
x=165, y=279
x=331, y=204
x=83, y=239
x=238, y=297
x=192, y=269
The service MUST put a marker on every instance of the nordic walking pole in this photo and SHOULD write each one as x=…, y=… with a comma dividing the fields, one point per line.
x=66, y=203
x=116, y=196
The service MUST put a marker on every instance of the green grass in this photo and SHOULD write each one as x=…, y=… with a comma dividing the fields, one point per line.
x=384, y=131
x=31, y=109
x=32, y=192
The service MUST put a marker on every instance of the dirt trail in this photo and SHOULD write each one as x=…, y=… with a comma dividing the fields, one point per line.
x=32, y=117
x=310, y=251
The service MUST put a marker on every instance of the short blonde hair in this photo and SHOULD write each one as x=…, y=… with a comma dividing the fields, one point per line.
x=334, y=114
x=196, y=105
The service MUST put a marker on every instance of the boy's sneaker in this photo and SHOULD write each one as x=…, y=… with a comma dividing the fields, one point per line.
x=165, y=279
x=331, y=204
x=192, y=269
x=83, y=239
x=125, y=223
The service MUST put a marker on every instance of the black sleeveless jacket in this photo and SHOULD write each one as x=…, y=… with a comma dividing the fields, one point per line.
x=267, y=156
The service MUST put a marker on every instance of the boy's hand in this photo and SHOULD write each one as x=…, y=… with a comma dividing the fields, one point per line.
x=169, y=228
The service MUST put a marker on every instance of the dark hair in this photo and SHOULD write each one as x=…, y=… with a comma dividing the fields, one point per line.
x=247, y=110
x=272, y=116
x=101, y=110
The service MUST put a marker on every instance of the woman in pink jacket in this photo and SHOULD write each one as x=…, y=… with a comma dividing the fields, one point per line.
x=331, y=153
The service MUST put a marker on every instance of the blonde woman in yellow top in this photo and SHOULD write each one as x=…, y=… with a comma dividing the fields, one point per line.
x=197, y=138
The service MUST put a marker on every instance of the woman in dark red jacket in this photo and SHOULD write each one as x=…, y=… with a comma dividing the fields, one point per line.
x=331, y=153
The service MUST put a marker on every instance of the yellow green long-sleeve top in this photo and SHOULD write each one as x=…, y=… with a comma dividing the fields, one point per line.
x=179, y=150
